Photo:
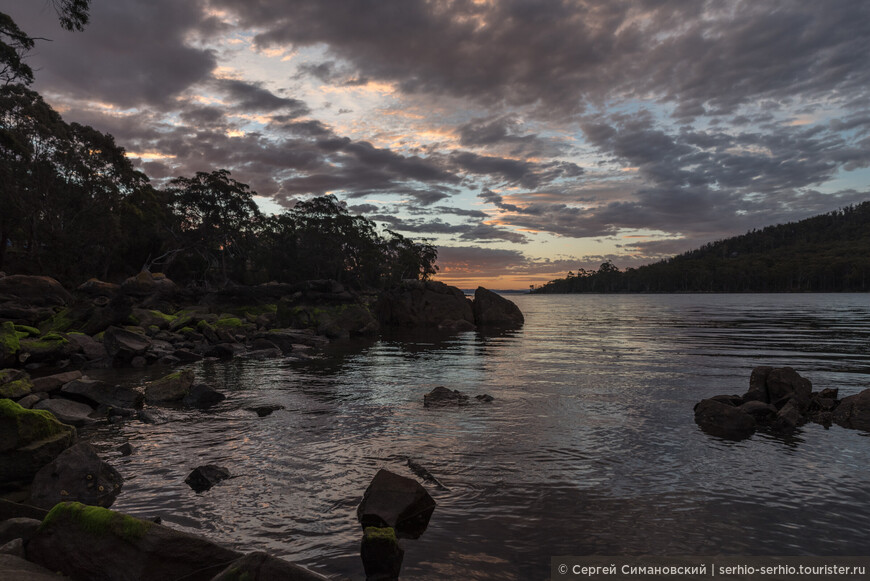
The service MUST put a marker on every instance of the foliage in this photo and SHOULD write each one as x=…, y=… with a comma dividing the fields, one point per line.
x=826, y=253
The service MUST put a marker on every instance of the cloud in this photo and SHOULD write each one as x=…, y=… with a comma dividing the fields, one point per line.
x=253, y=97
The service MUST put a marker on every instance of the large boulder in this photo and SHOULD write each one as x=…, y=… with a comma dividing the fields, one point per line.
x=92, y=349
x=147, y=284
x=124, y=345
x=37, y=291
x=854, y=411
x=90, y=542
x=724, y=420
x=259, y=566
x=173, y=387
x=417, y=303
x=50, y=348
x=777, y=385
x=396, y=502
x=492, y=310
x=29, y=439
x=77, y=474
x=96, y=392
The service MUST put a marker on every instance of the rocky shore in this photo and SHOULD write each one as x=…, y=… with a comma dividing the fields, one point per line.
x=51, y=337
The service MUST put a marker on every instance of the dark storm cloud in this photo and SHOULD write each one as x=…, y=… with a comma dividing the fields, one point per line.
x=503, y=133
x=702, y=57
x=246, y=96
x=131, y=53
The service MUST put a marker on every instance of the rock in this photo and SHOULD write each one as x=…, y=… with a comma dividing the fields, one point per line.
x=146, y=284
x=77, y=474
x=16, y=389
x=16, y=510
x=416, y=303
x=186, y=356
x=36, y=291
x=204, y=477
x=381, y=554
x=261, y=566
x=223, y=351
x=762, y=412
x=29, y=439
x=50, y=348
x=423, y=473
x=52, y=383
x=28, y=401
x=285, y=339
x=261, y=343
x=484, y=398
x=854, y=411
x=785, y=383
x=9, y=375
x=758, y=385
x=202, y=395
x=68, y=411
x=264, y=410
x=396, y=502
x=14, y=547
x=723, y=420
x=92, y=349
x=126, y=449
x=18, y=528
x=493, y=310
x=96, y=392
x=441, y=396
x=788, y=418
x=90, y=542
x=9, y=344
x=124, y=345
x=97, y=288
x=172, y=387
x=14, y=568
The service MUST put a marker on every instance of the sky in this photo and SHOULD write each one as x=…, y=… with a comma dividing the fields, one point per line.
x=523, y=138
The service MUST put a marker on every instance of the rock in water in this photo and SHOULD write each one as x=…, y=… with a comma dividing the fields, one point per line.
x=441, y=396
x=418, y=303
x=854, y=411
x=396, y=502
x=77, y=474
x=724, y=420
x=493, y=310
x=204, y=477
x=264, y=410
x=69, y=412
x=381, y=554
x=173, y=387
x=202, y=395
x=89, y=542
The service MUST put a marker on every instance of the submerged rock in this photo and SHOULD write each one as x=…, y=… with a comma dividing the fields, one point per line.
x=396, y=502
x=204, y=477
x=724, y=420
x=264, y=410
x=441, y=396
x=261, y=566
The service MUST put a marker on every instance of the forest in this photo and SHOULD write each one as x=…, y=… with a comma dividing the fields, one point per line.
x=825, y=253
x=72, y=206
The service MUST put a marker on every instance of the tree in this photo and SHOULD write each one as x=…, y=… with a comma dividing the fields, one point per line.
x=217, y=218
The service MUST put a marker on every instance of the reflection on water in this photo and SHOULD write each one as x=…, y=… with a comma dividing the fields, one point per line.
x=588, y=448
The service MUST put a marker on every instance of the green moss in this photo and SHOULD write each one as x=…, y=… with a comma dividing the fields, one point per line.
x=204, y=325
x=9, y=340
x=228, y=322
x=163, y=316
x=98, y=521
x=60, y=322
x=29, y=331
x=16, y=389
x=185, y=330
x=133, y=320
x=381, y=534
x=30, y=425
x=45, y=344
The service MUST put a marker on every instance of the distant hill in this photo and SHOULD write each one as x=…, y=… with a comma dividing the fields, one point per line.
x=826, y=253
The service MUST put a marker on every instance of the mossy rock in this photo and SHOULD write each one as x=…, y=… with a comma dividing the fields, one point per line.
x=20, y=427
x=16, y=389
x=98, y=521
x=49, y=347
x=28, y=331
x=228, y=323
x=10, y=344
x=62, y=321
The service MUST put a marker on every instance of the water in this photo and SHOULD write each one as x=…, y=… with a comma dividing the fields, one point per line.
x=589, y=447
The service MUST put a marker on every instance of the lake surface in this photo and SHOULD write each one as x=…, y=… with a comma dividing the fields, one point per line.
x=590, y=447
